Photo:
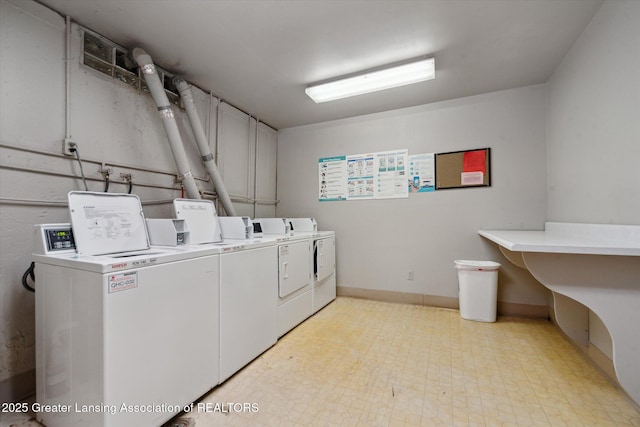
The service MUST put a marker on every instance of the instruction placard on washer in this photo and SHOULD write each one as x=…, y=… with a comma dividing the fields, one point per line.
x=123, y=281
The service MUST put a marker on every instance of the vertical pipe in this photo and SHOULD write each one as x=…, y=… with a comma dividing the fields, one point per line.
x=255, y=171
x=219, y=124
x=248, y=189
x=211, y=137
x=209, y=133
x=67, y=83
x=275, y=209
x=203, y=145
x=156, y=88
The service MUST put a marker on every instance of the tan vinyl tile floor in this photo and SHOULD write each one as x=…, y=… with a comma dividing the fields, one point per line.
x=367, y=363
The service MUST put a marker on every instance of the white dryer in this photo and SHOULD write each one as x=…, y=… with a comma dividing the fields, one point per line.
x=295, y=300
x=324, y=269
x=119, y=324
x=323, y=259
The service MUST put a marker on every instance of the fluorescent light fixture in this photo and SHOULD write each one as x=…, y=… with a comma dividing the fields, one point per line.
x=373, y=81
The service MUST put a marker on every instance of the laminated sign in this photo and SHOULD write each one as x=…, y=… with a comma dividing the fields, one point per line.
x=381, y=175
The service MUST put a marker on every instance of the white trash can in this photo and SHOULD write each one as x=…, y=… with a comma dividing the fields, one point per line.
x=478, y=289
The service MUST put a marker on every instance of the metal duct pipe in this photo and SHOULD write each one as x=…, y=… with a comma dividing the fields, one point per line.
x=203, y=145
x=156, y=88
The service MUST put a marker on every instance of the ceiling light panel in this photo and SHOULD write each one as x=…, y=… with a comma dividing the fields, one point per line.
x=401, y=75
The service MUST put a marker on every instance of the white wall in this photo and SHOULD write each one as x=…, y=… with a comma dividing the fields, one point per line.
x=113, y=124
x=31, y=114
x=593, y=116
x=379, y=241
x=593, y=130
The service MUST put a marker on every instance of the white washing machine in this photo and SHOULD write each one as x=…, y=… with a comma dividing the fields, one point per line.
x=119, y=324
x=248, y=302
x=248, y=286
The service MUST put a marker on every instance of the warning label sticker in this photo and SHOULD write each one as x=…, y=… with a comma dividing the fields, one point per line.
x=123, y=281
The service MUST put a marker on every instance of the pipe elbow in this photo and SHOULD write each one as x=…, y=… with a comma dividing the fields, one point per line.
x=184, y=88
x=141, y=57
x=179, y=82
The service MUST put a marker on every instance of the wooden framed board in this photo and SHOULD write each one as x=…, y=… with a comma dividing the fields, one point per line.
x=462, y=169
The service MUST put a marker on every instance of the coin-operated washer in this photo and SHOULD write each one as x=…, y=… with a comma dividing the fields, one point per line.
x=248, y=285
x=120, y=324
x=236, y=227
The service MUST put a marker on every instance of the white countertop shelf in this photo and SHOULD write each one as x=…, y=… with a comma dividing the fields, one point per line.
x=571, y=238
x=607, y=281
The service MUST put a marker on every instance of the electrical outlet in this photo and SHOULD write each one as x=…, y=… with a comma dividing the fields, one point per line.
x=67, y=147
x=410, y=275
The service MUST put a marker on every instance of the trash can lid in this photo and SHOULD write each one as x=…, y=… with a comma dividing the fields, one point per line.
x=464, y=264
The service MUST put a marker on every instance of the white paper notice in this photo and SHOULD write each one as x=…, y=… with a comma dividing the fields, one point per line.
x=422, y=173
x=392, y=174
x=472, y=178
x=363, y=176
x=332, y=172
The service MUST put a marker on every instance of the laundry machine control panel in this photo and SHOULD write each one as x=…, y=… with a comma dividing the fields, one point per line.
x=53, y=238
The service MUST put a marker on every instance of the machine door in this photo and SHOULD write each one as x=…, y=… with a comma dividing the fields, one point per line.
x=324, y=258
x=294, y=267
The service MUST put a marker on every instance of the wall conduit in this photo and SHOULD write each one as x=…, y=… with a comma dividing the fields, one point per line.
x=158, y=94
x=203, y=145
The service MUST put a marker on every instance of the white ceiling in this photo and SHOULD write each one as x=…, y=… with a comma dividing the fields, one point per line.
x=259, y=55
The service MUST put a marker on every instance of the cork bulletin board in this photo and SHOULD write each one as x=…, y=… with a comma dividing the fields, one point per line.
x=462, y=169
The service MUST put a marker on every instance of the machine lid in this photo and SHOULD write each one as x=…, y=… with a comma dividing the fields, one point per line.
x=201, y=219
x=308, y=225
x=273, y=226
x=107, y=223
